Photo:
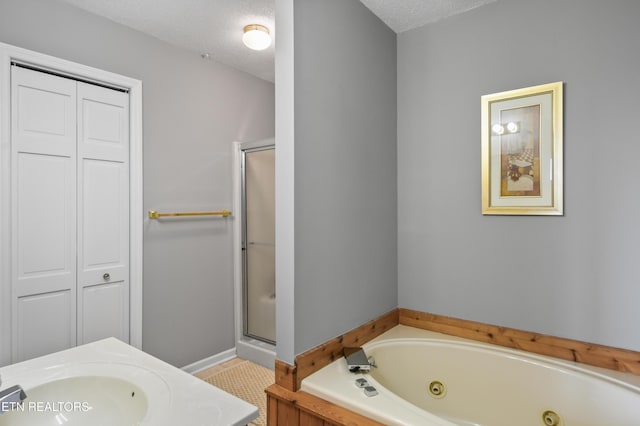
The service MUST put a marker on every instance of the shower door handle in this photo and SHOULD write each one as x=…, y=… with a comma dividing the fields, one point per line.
x=261, y=244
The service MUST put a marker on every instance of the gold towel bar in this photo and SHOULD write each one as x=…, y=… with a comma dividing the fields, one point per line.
x=155, y=215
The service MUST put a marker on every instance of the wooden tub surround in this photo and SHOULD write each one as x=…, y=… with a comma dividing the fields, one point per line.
x=287, y=406
x=571, y=350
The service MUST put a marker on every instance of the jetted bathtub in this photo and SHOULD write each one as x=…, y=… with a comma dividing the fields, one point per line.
x=428, y=378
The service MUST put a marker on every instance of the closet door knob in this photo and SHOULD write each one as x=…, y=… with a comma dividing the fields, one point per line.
x=106, y=276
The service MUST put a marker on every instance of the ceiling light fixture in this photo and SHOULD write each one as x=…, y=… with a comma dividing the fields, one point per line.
x=256, y=37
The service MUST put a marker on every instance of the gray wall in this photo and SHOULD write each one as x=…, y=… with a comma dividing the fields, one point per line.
x=193, y=111
x=575, y=276
x=344, y=149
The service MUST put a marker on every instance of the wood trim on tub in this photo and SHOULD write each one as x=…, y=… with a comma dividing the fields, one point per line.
x=290, y=377
x=572, y=350
x=286, y=375
x=286, y=408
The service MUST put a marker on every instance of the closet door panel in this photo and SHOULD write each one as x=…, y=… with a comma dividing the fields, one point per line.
x=105, y=312
x=43, y=112
x=45, y=238
x=103, y=124
x=103, y=209
x=104, y=214
x=45, y=323
x=43, y=207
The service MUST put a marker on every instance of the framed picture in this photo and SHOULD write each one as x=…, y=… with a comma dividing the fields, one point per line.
x=522, y=151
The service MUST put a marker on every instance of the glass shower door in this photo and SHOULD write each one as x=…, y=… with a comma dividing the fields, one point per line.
x=259, y=277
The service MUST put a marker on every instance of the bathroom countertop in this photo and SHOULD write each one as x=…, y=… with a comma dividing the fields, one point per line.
x=173, y=396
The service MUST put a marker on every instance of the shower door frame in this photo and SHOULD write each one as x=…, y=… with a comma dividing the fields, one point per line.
x=249, y=347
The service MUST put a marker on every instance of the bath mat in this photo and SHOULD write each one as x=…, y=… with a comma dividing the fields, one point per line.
x=247, y=381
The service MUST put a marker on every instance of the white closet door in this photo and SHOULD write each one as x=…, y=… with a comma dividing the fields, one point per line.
x=43, y=213
x=103, y=213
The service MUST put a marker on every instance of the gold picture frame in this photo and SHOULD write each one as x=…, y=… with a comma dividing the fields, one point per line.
x=522, y=151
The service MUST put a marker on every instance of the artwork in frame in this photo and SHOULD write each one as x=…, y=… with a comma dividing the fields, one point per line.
x=522, y=151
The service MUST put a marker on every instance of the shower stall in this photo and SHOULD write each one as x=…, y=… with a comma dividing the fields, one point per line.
x=255, y=254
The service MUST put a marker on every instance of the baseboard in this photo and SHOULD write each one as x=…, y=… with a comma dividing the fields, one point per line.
x=256, y=351
x=209, y=362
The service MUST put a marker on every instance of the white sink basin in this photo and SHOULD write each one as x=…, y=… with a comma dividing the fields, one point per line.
x=109, y=383
x=82, y=400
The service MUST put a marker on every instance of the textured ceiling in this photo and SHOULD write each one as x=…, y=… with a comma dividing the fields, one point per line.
x=215, y=26
x=403, y=15
x=202, y=26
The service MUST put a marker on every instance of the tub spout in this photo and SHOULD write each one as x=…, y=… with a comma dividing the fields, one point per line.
x=11, y=397
x=357, y=360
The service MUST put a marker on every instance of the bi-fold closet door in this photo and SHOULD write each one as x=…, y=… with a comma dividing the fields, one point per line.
x=69, y=213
